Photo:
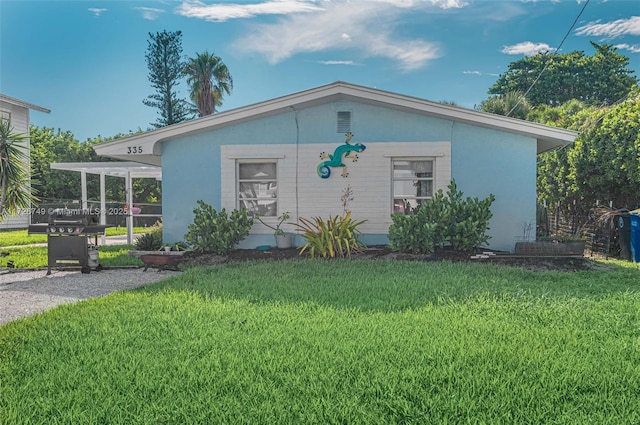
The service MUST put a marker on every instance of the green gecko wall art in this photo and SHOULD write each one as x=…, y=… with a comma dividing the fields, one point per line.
x=347, y=151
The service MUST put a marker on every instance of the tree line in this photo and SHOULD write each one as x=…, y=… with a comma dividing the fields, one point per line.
x=597, y=96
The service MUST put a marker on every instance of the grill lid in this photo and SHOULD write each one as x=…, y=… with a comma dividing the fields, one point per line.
x=76, y=216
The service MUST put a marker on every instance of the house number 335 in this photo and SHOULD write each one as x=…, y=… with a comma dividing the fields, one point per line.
x=134, y=149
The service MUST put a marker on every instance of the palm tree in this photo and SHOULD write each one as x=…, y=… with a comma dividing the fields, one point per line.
x=512, y=104
x=209, y=79
x=15, y=190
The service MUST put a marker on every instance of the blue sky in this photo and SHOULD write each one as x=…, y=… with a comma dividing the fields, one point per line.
x=84, y=59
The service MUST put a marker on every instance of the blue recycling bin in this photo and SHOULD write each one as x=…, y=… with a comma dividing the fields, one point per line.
x=634, y=222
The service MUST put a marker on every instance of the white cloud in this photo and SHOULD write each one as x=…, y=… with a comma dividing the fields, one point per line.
x=633, y=48
x=149, y=12
x=526, y=48
x=367, y=28
x=480, y=74
x=442, y=4
x=449, y=4
x=334, y=62
x=219, y=12
x=96, y=11
x=611, y=29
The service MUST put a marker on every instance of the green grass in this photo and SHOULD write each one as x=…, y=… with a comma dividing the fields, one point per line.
x=29, y=257
x=21, y=237
x=335, y=342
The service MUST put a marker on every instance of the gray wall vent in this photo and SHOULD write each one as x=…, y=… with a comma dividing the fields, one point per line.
x=344, y=121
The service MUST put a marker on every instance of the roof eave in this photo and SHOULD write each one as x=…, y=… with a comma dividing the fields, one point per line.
x=547, y=137
x=21, y=103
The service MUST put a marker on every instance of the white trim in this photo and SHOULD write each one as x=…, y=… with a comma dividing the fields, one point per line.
x=258, y=158
x=435, y=155
x=22, y=103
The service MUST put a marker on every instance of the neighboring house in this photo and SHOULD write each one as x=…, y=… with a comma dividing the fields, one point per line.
x=18, y=112
x=267, y=157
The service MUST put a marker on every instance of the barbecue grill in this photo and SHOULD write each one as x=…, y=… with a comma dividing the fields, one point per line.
x=68, y=234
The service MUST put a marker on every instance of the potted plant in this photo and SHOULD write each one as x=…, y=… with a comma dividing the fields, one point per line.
x=178, y=246
x=283, y=239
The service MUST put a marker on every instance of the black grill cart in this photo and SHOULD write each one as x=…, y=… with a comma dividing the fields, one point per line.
x=69, y=233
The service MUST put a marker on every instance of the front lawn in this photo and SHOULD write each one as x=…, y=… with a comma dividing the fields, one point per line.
x=335, y=342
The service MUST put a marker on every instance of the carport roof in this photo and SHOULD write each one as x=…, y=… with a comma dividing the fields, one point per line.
x=116, y=169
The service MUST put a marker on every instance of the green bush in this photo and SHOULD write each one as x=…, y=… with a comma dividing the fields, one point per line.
x=336, y=236
x=443, y=220
x=408, y=233
x=217, y=232
x=150, y=241
x=468, y=220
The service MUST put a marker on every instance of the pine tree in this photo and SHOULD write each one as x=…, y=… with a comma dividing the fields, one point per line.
x=165, y=67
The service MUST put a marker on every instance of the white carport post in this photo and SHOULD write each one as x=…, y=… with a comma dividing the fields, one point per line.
x=83, y=183
x=103, y=207
x=129, y=201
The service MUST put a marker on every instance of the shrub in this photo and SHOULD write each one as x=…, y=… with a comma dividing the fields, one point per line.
x=443, y=220
x=150, y=241
x=217, y=232
x=336, y=236
x=410, y=234
x=466, y=220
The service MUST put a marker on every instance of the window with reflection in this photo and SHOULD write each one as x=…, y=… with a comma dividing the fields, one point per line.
x=412, y=184
x=258, y=188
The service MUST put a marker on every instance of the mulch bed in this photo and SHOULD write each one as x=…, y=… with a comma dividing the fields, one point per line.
x=535, y=263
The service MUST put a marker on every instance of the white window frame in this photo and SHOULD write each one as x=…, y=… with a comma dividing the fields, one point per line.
x=258, y=199
x=405, y=209
x=5, y=115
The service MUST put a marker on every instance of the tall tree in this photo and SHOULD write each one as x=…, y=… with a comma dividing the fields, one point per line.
x=599, y=79
x=508, y=104
x=604, y=162
x=165, y=66
x=209, y=79
x=15, y=172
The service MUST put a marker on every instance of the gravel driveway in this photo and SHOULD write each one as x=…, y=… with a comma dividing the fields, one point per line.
x=26, y=293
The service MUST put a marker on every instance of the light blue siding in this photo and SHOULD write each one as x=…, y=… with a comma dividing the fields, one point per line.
x=487, y=161
x=483, y=161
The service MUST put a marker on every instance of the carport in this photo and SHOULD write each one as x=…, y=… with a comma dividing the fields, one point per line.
x=126, y=170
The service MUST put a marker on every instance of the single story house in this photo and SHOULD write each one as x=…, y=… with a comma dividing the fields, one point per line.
x=298, y=153
x=17, y=111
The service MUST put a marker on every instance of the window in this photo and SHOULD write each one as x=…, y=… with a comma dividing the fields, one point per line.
x=344, y=121
x=5, y=116
x=412, y=184
x=258, y=188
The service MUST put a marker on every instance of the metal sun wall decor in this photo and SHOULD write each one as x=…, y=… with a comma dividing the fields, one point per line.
x=347, y=151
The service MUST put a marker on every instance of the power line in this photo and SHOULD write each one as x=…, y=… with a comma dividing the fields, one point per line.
x=575, y=21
